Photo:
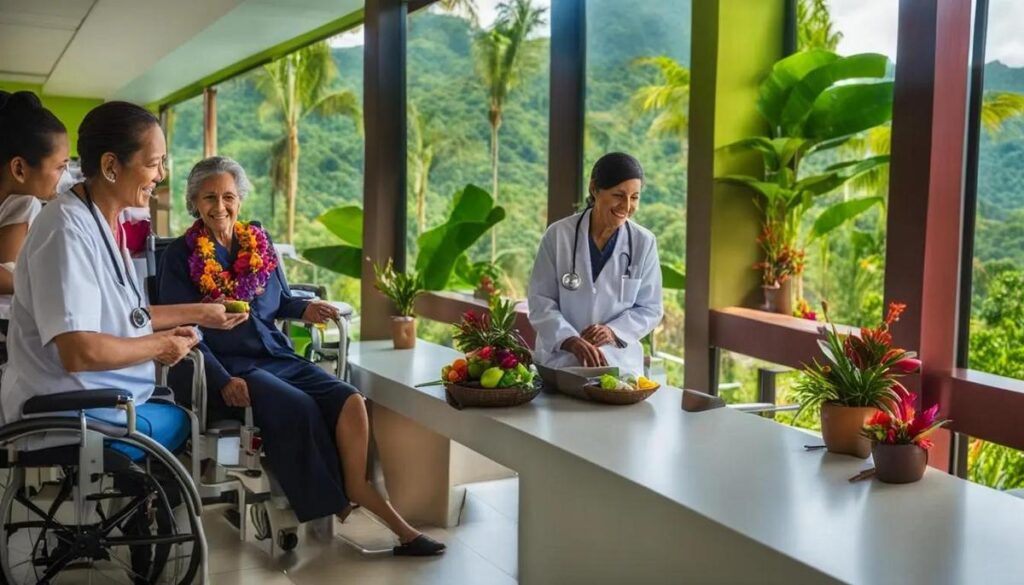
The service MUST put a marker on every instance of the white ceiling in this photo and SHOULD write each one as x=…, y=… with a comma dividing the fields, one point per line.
x=144, y=50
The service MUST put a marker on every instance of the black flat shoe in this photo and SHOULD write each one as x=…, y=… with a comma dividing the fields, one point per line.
x=421, y=546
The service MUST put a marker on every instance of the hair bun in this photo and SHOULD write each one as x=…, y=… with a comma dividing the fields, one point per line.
x=19, y=101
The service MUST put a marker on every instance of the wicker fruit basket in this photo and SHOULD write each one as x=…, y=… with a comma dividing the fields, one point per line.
x=598, y=394
x=474, y=395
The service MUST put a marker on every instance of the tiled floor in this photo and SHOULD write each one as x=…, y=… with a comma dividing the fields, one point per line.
x=482, y=550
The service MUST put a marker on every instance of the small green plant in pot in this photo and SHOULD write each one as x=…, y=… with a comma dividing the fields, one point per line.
x=858, y=378
x=402, y=289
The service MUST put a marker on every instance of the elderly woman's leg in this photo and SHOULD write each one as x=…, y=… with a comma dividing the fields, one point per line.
x=353, y=438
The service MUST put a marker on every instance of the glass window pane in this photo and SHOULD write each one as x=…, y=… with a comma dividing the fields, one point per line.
x=846, y=266
x=637, y=101
x=456, y=104
x=185, y=144
x=995, y=337
x=251, y=128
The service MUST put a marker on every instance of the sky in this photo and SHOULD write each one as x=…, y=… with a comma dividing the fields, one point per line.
x=870, y=26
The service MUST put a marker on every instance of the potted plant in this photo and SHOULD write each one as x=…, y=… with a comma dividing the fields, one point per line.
x=496, y=368
x=402, y=289
x=898, y=439
x=858, y=378
x=781, y=263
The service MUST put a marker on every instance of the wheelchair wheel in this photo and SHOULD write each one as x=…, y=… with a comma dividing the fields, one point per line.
x=136, y=528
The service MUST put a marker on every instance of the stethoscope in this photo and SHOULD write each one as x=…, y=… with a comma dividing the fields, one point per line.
x=139, y=316
x=571, y=280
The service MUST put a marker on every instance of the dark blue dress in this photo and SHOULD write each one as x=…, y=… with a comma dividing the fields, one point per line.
x=295, y=404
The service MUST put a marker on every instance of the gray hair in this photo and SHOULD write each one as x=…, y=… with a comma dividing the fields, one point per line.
x=211, y=167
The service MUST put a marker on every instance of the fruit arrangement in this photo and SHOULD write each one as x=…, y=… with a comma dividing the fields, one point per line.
x=490, y=367
x=629, y=382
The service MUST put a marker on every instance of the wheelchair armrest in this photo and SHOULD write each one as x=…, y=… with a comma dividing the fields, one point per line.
x=317, y=290
x=76, y=400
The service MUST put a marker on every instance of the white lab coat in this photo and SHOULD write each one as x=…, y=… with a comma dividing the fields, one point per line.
x=66, y=283
x=630, y=307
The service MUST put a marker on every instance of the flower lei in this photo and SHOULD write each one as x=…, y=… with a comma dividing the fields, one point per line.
x=248, y=275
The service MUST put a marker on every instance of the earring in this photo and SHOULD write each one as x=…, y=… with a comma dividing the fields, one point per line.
x=110, y=177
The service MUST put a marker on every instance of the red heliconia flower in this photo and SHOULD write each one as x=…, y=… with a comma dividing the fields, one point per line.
x=925, y=443
x=890, y=435
x=879, y=419
x=895, y=310
x=923, y=421
x=907, y=365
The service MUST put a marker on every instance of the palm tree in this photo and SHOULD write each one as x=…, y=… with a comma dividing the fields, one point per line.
x=814, y=26
x=426, y=141
x=669, y=98
x=504, y=56
x=293, y=87
x=998, y=107
x=466, y=7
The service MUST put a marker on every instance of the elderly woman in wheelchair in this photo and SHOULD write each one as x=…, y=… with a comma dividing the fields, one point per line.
x=82, y=340
x=315, y=427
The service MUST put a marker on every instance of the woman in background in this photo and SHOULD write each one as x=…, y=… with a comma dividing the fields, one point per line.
x=33, y=158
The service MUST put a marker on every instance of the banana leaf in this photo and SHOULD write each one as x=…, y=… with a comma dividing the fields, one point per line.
x=786, y=73
x=848, y=109
x=346, y=222
x=672, y=277
x=473, y=214
x=840, y=213
x=770, y=191
x=343, y=259
x=804, y=93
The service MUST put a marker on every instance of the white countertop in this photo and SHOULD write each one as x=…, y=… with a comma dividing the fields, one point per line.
x=752, y=475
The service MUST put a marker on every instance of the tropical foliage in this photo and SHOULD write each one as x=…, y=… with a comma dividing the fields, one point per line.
x=506, y=54
x=295, y=86
x=813, y=101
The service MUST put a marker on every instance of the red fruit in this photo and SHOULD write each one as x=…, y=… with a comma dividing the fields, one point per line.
x=509, y=362
x=454, y=376
x=459, y=364
x=486, y=352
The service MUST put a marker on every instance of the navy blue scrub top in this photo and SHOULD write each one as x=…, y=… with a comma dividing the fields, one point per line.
x=599, y=257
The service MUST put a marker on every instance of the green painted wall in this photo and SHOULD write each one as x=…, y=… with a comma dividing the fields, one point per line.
x=735, y=43
x=69, y=110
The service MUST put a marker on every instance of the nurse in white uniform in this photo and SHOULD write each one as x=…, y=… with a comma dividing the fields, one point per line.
x=595, y=290
x=79, y=317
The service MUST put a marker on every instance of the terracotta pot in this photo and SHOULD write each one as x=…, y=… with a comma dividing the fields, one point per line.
x=899, y=463
x=779, y=299
x=841, y=427
x=403, y=332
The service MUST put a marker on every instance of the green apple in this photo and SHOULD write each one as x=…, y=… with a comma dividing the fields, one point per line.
x=491, y=377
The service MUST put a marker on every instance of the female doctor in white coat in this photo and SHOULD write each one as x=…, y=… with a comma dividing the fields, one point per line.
x=595, y=290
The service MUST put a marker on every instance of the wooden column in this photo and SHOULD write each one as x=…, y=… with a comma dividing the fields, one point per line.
x=566, y=181
x=722, y=222
x=209, y=122
x=925, y=192
x=384, y=198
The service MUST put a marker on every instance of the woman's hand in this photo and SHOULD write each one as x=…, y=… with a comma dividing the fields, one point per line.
x=320, y=312
x=586, y=353
x=215, y=316
x=176, y=343
x=598, y=335
x=236, y=393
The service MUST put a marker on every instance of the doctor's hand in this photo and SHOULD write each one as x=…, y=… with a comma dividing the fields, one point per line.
x=175, y=344
x=320, y=312
x=598, y=335
x=236, y=393
x=586, y=353
x=215, y=316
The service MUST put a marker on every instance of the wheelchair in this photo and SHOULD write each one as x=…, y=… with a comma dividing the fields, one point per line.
x=88, y=501
x=225, y=455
